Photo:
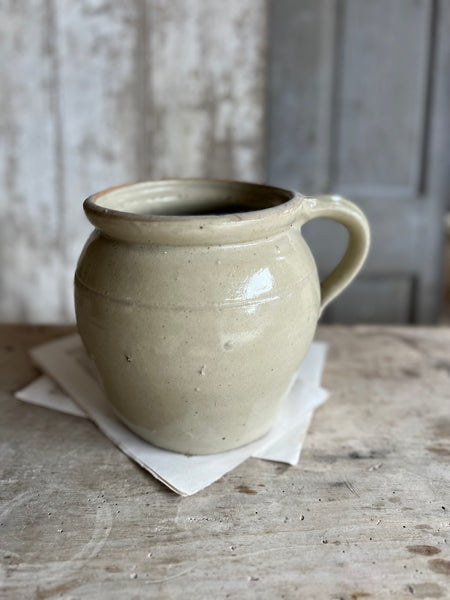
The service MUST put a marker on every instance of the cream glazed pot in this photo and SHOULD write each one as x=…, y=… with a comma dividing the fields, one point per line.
x=198, y=300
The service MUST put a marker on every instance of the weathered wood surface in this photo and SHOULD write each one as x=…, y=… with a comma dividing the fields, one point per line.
x=364, y=515
x=98, y=93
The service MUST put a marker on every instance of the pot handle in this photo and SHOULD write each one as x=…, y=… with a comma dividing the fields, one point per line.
x=348, y=214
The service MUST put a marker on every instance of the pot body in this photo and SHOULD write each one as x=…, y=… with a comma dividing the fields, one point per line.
x=197, y=346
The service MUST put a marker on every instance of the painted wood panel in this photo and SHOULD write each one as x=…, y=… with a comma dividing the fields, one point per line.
x=206, y=66
x=30, y=202
x=436, y=177
x=98, y=70
x=378, y=133
x=379, y=300
x=348, y=93
x=381, y=90
x=300, y=90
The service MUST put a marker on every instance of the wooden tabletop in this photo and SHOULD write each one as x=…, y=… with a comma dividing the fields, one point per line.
x=365, y=514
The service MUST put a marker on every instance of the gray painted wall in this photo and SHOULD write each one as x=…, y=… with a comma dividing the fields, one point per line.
x=359, y=98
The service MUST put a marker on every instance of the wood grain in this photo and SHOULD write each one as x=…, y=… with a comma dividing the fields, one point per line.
x=98, y=72
x=391, y=300
x=364, y=514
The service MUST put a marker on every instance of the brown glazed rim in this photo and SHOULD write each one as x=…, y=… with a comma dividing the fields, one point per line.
x=208, y=229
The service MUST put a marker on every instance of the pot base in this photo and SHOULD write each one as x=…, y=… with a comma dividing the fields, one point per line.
x=192, y=448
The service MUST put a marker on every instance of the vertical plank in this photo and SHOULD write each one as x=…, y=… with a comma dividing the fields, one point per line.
x=300, y=93
x=99, y=75
x=436, y=181
x=381, y=94
x=206, y=88
x=30, y=234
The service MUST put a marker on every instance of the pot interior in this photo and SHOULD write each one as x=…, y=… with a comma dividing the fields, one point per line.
x=191, y=198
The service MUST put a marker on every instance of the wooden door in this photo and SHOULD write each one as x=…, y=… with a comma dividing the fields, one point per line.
x=359, y=105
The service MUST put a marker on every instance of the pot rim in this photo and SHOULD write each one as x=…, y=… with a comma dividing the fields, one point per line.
x=197, y=229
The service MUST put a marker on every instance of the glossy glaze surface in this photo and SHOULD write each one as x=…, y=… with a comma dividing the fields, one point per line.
x=198, y=319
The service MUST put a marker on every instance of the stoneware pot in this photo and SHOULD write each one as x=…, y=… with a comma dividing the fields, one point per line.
x=198, y=300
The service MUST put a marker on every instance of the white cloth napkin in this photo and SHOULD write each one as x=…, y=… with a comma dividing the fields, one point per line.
x=67, y=364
